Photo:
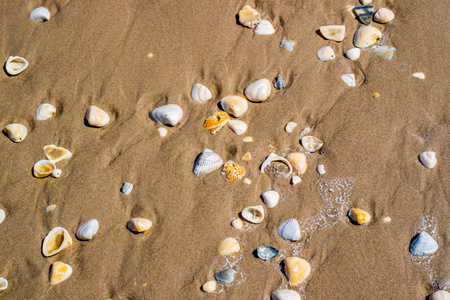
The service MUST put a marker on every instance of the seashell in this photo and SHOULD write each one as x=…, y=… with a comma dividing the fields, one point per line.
x=249, y=17
x=15, y=65
x=321, y=169
x=440, y=295
x=278, y=83
x=216, y=122
x=298, y=162
x=43, y=168
x=237, y=223
x=235, y=105
x=95, y=116
x=139, y=225
x=229, y=246
x=247, y=156
x=290, y=230
x=225, y=276
x=233, y=171
x=45, y=111
x=200, y=93
x=266, y=252
x=326, y=53
x=50, y=208
x=385, y=51
x=287, y=44
x=290, y=127
x=169, y=114
x=353, y=54
x=365, y=2
x=258, y=91
x=264, y=28
x=2, y=215
x=423, y=244
x=247, y=139
x=209, y=286
x=39, y=14
x=366, y=36
x=207, y=162
x=375, y=95
x=162, y=131
x=349, y=79
x=16, y=132
x=295, y=179
x=364, y=14
x=285, y=295
x=271, y=198
x=383, y=15
x=247, y=181
x=296, y=270
x=387, y=219
x=419, y=75
x=253, y=214
x=428, y=159
x=56, y=173
x=3, y=284
x=60, y=272
x=311, y=143
x=237, y=126
x=359, y=216
x=272, y=158
x=56, y=154
x=87, y=230
x=305, y=131
x=333, y=32
x=126, y=188
x=55, y=241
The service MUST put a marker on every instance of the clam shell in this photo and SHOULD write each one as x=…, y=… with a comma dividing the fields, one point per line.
x=237, y=223
x=311, y=143
x=207, y=162
x=2, y=215
x=56, y=154
x=237, y=126
x=271, y=198
x=359, y=216
x=216, y=122
x=233, y=171
x=419, y=75
x=290, y=127
x=278, y=83
x=126, y=188
x=428, y=159
x=298, y=162
x=235, y=105
x=321, y=169
x=266, y=252
x=364, y=14
x=3, y=284
x=383, y=15
x=272, y=158
x=55, y=241
x=45, y=111
x=139, y=225
x=169, y=114
x=209, y=286
x=258, y=91
x=290, y=230
x=366, y=36
x=43, y=168
x=333, y=32
x=440, y=295
x=285, y=295
x=349, y=79
x=249, y=17
x=56, y=173
x=353, y=54
x=225, y=276
x=39, y=14
x=264, y=28
x=229, y=246
x=200, y=93
x=60, y=272
x=365, y=2
x=326, y=53
x=87, y=230
x=423, y=244
x=253, y=214
x=16, y=132
x=15, y=65
x=95, y=116
x=296, y=270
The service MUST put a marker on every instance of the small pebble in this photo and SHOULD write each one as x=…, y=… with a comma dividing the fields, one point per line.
x=287, y=44
x=290, y=127
x=419, y=75
x=247, y=139
x=375, y=95
x=237, y=223
x=162, y=132
x=247, y=181
x=387, y=220
x=321, y=169
x=278, y=83
x=295, y=179
x=209, y=286
x=150, y=55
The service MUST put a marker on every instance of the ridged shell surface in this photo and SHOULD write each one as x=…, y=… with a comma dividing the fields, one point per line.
x=15, y=65
x=16, y=132
x=253, y=214
x=225, y=276
x=266, y=252
x=290, y=230
x=169, y=114
x=264, y=28
x=258, y=91
x=45, y=111
x=423, y=244
x=200, y=93
x=285, y=295
x=235, y=105
x=207, y=162
x=87, y=230
x=60, y=272
x=55, y=241
x=366, y=36
x=126, y=188
x=39, y=14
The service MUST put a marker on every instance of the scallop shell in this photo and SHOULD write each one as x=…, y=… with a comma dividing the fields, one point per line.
x=326, y=53
x=285, y=295
x=296, y=270
x=428, y=159
x=229, y=246
x=366, y=36
x=169, y=114
x=359, y=216
x=353, y=54
x=200, y=93
x=440, y=295
x=235, y=105
x=60, y=272
x=349, y=79
x=56, y=154
x=271, y=198
x=207, y=162
x=272, y=158
x=258, y=91
x=233, y=171
x=43, y=168
x=15, y=65
x=95, y=116
x=253, y=214
x=321, y=169
x=3, y=284
x=45, y=111
x=278, y=83
x=298, y=162
x=237, y=126
x=266, y=252
x=39, y=14
x=139, y=225
x=216, y=122
x=384, y=15
x=16, y=132
x=87, y=230
x=56, y=173
x=290, y=127
x=209, y=286
x=290, y=230
x=2, y=215
x=311, y=143
x=126, y=188
x=364, y=14
x=423, y=244
x=333, y=32
x=55, y=241
x=249, y=17
x=264, y=28
x=225, y=276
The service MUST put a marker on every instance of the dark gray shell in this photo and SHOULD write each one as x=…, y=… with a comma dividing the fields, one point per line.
x=225, y=276
x=423, y=244
x=266, y=252
x=278, y=83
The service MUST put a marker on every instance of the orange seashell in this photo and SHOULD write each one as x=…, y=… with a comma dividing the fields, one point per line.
x=229, y=246
x=296, y=270
x=247, y=156
x=60, y=272
x=233, y=171
x=214, y=123
x=298, y=161
x=359, y=216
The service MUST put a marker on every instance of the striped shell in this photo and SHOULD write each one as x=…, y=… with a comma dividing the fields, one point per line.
x=169, y=115
x=207, y=162
x=200, y=93
x=225, y=276
x=423, y=244
x=285, y=295
x=258, y=91
x=290, y=230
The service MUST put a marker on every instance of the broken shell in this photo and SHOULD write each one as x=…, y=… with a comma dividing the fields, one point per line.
x=321, y=169
x=333, y=32
x=349, y=79
x=39, y=14
x=56, y=154
x=2, y=215
x=364, y=14
x=247, y=156
x=15, y=65
x=359, y=216
x=162, y=131
x=287, y=44
x=296, y=270
x=45, y=111
x=387, y=219
x=428, y=159
x=440, y=295
x=97, y=117
x=285, y=295
x=278, y=83
x=290, y=230
x=237, y=223
x=43, y=168
x=209, y=286
x=290, y=127
x=200, y=93
x=207, y=162
x=247, y=139
x=87, y=230
x=16, y=132
x=311, y=143
x=139, y=225
x=298, y=162
x=235, y=105
x=229, y=246
x=55, y=241
x=3, y=284
x=264, y=28
x=305, y=132
x=169, y=114
x=225, y=276
x=258, y=91
x=253, y=214
x=271, y=198
x=60, y=272
x=423, y=244
x=50, y=208
x=237, y=126
x=249, y=17
x=56, y=173
x=366, y=36
x=295, y=179
x=419, y=75
x=216, y=122
x=126, y=188
x=266, y=252
x=353, y=54
x=326, y=53
x=383, y=15
x=272, y=158
x=233, y=171
x=385, y=51
x=375, y=95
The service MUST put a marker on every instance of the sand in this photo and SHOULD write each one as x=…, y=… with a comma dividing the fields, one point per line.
x=96, y=53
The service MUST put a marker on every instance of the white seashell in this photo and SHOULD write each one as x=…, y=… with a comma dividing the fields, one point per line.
x=249, y=17
x=419, y=75
x=253, y=214
x=440, y=295
x=55, y=241
x=50, y=208
x=207, y=162
x=271, y=198
x=60, y=272
x=290, y=230
x=247, y=181
x=428, y=159
x=264, y=28
x=238, y=127
x=56, y=154
x=16, y=132
x=200, y=93
x=365, y=2
x=56, y=173
x=321, y=169
x=333, y=32
x=273, y=157
x=169, y=114
x=3, y=284
x=349, y=79
x=2, y=215
x=423, y=244
x=383, y=15
x=95, y=116
x=295, y=179
x=15, y=65
x=258, y=91
x=87, y=230
x=305, y=132
x=209, y=286
x=290, y=127
x=311, y=143
x=39, y=14
x=162, y=131
x=247, y=139
x=326, y=53
x=139, y=225
x=237, y=223
x=235, y=105
x=43, y=168
x=287, y=44
x=126, y=188
x=45, y=111
x=387, y=219
x=366, y=36
x=285, y=295
x=353, y=54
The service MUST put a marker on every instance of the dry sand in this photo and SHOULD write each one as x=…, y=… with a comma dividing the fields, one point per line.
x=95, y=53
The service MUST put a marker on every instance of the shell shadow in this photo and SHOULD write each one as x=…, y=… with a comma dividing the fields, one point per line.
x=4, y=69
x=320, y=34
x=255, y=253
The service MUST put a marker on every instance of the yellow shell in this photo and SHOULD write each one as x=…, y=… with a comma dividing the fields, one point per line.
x=55, y=241
x=43, y=168
x=139, y=225
x=247, y=156
x=233, y=171
x=229, y=246
x=298, y=161
x=55, y=154
x=60, y=272
x=359, y=216
x=249, y=17
x=214, y=123
x=296, y=270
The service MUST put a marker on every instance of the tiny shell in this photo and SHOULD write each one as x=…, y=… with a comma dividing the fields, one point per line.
x=249, y=17
x=235, y=105
x=359, y=216
x=258, y=91
x=225, y=276
x=349, y=79
x=126, y=188
x=55, y=241
x=229, y=246
x=423, y=244
x=169, y=114
x=56, y=154
x=298, y=162
x=266, y=252
x=209, y=286
x=365, y=2
x=97, y=117
x=419, y=75
x=311, y=143
x=326, y=53
x=139, y=225
x=237, y=223
x=39, y=14
x=440, y=295
x=237, y=126
x=364, y=14
x=375, y=95
x=333, y=32
x=43, y=168
x=383, y=15
x=233, y=171
x=278, y=83
x=253, y=214
x=366, y=36
x=60, y=272
x=15, y=65
x=290, y=230
x=45, y=111
x=295, y=179
x=50, y=208
x=287, y=44
x=285, y=295
x=272, y=158
x=200, y=93
x=387, y=220
x=87, y=230
x=16, y=132
x=3, y=284
x=428, y=159
x=247, y=156
x=353, y=54
x=385, y=51
x=207, y=162
x=290, y=127
x=296, y=270
x=304, y=132
x=247, y=181
x=2, y=215
x=264, y=28
x=247, y=139
x=271, y=198
x=321, y=169
x=56, y=173
x=216, y=122
x=162, y=131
